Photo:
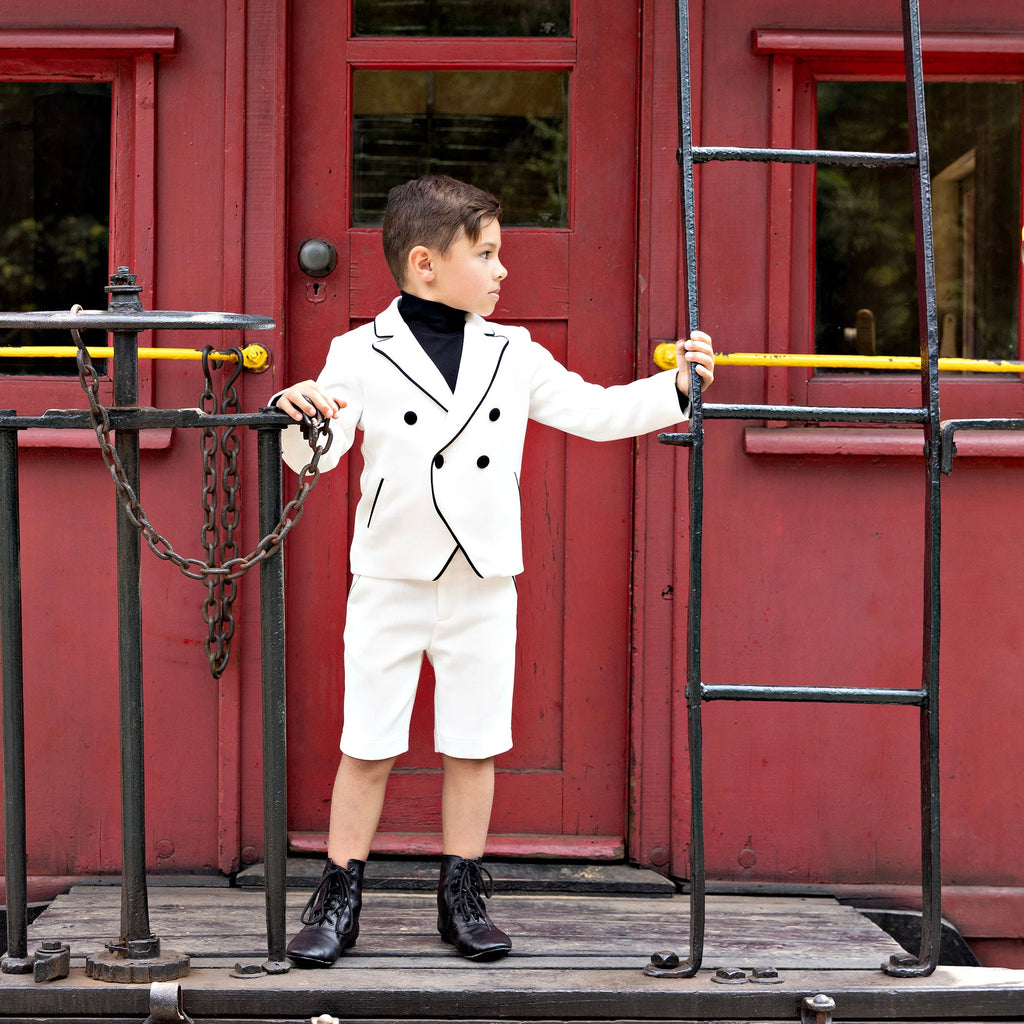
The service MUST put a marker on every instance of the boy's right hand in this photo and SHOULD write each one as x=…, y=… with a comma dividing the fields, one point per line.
x=306, y=398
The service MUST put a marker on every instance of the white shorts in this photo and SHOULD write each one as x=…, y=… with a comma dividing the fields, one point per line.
x=466, y=627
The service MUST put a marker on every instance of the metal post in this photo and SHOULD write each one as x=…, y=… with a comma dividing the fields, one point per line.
x=17, y=960
x=135, y=932
x=136, y=955
x=272, y=637
x=931, y=872
x=668, y=964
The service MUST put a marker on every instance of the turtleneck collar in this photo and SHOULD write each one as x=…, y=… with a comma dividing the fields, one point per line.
x=435, y=316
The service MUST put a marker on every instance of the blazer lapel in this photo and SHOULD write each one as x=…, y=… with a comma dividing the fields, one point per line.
x=482, y=350
x=396, y=343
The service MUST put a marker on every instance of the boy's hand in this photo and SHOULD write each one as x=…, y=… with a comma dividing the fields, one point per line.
x=307, y=398
x=696, y=350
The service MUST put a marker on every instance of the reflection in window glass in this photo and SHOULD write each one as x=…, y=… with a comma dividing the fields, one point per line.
x=461, y=18
x=505, y=131
x=54, y=218
x=866, y=277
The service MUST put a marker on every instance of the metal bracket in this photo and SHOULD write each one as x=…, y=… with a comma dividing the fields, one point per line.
x=137, y=961
x=165, y=1003
x=52, y=961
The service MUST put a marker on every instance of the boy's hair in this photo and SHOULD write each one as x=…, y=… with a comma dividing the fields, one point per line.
x=431, y=211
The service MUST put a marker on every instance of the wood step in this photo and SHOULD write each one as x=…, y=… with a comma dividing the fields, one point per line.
x=401, y=874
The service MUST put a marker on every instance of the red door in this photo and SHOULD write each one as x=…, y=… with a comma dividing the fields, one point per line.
x=547, y=119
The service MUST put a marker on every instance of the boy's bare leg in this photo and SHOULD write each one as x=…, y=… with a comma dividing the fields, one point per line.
x=466, y=799
x=331, y=917
x=462, y=919
x=356, y=805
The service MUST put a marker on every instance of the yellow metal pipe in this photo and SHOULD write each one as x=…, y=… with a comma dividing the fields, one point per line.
x=665, y=359
x=254, y=357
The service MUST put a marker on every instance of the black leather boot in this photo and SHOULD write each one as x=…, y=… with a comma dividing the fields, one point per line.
x=331, y=916
x=461, y=917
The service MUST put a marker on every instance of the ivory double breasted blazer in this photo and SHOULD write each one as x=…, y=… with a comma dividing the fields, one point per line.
x=441, y=468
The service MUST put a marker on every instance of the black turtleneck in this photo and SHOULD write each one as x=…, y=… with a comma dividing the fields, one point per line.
x=439, y=329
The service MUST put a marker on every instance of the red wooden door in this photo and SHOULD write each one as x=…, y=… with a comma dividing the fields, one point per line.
x=563, y=786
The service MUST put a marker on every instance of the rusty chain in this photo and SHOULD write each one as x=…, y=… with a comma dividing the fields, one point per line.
x=220, y=477
x=316, y=429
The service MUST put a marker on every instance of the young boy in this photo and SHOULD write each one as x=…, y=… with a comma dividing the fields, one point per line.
x=442, y=398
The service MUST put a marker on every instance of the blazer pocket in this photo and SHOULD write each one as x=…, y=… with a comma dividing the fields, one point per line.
x=373, y=507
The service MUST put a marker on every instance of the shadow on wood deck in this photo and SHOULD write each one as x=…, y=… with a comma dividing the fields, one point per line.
x=580, y=946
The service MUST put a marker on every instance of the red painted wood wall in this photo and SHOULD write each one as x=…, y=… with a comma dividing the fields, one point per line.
x=813, y=559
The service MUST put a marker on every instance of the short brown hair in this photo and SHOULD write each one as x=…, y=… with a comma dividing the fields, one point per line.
x=431, y=211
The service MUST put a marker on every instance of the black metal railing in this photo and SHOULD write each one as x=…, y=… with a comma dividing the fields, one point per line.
x=136, y=955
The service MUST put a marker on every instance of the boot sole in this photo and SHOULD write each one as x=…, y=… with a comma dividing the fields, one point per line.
x=306, y=962
x=497, y=953
x=487, y=955
x=301, y=960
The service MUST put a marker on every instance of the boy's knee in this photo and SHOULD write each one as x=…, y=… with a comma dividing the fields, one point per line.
x=467, y=764
x=367, y=767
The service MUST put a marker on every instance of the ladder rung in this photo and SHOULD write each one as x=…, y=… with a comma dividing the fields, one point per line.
x=814, y=694
x=822, y=413
x=828, y=157
x=799, y=413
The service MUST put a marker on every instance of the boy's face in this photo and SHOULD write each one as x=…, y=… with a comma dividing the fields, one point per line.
x=468, y=276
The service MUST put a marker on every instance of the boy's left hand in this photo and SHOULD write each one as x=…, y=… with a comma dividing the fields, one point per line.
x=697, y=350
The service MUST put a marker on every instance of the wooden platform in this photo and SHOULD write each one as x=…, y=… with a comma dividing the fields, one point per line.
x=578, y=956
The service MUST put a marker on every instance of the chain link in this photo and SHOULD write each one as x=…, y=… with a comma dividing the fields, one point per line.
x=218, y=533
x=220, y=578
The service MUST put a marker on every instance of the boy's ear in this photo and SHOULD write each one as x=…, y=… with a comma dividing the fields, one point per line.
x=420, y=264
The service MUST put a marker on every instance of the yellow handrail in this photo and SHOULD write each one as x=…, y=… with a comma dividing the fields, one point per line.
x=254, y=357
x=665, y=359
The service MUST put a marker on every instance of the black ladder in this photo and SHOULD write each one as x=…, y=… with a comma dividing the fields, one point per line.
x=924, y=697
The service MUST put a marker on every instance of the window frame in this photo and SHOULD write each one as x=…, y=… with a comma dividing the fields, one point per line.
x=538, y=297
x=799, y=60
x=127, y=59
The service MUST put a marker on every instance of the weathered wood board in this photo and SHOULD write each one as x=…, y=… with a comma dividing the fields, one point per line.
x=741, y=931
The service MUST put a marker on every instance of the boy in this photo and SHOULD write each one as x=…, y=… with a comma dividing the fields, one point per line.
x=442, y=399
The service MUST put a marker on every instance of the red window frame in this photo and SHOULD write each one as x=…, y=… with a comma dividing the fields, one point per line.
x=127, y=59
x=537, y=296
x=799, y=59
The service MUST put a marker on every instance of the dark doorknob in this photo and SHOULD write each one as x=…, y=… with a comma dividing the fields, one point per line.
x=317, y=257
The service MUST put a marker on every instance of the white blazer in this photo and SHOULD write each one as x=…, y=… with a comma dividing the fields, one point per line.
x=441, y=468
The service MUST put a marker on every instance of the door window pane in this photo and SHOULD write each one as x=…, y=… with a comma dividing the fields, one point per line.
x=461, y=18
x=866, y=276
x=505, y=131
x=54, y=213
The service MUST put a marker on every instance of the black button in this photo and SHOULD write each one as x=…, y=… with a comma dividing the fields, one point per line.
x=483, y=462
x=494, y=414
x=410, y=417
x=438, y=460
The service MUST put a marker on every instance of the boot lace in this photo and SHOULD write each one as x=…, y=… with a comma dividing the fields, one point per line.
x=329, y=896
x=468, y=890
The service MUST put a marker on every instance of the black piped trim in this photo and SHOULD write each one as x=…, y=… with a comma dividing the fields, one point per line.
x=444, y=568
x=413, y=381
x=433, y=493
x=373, y=507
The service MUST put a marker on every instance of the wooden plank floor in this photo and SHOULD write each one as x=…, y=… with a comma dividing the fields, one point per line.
x=214, y=926
x=576, y=957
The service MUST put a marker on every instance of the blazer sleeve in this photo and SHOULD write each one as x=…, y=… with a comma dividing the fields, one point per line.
x=338, y=379
x=562, y=399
